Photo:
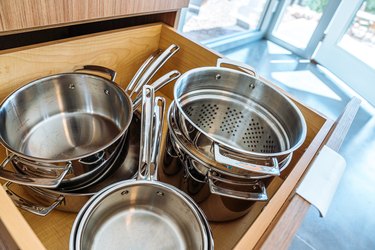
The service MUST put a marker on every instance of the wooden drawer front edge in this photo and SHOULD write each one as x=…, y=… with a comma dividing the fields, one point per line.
x=18, y=15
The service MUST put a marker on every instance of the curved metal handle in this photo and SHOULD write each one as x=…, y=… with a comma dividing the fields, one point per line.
x=243, y=66
x=159, y=109
x=30, y=206
x=146, y=132
x=158, y=84
x=156, y=64
x=29, y=180
x=130, y=88
x=261, y=169
x=251, y=195
x=100, y=69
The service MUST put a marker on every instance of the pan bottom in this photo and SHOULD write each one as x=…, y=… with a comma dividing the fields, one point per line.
x=68, y=136
x=139, y=228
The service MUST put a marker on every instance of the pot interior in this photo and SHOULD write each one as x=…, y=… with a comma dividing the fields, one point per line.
x=143, y=214
x=238, y=111
x=64, y=116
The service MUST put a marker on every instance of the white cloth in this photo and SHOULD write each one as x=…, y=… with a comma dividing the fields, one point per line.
x=320, y=183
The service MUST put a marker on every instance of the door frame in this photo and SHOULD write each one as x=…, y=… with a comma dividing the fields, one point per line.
x=317, y=35
x=351, y=70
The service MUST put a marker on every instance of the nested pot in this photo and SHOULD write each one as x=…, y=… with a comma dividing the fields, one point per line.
x=240, y=120
x=222, y=195
x=62, y=130
x=41, y=201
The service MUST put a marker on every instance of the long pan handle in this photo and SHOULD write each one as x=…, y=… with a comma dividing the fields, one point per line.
x=151, y=68
x=159, y=109
x=158, y=84
x=146, y=131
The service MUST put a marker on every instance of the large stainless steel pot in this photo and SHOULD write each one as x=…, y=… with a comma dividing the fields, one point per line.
x=62, y=130
x=142, y=213
x=222, y=195
x=242, y=121
x=41, y=201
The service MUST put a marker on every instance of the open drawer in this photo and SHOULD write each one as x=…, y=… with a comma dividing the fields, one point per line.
x=124, y=51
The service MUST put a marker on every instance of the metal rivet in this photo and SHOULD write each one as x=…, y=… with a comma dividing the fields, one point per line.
x=72, y=86
x=159, y=193
x=218, y=76
x=106, y=91
x=252, y=85
x=124, y=192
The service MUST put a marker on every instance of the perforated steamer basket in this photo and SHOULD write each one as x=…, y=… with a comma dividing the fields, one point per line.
x=243, y=121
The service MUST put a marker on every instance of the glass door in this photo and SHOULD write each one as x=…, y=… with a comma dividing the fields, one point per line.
x=299, y=25
x=348, y=49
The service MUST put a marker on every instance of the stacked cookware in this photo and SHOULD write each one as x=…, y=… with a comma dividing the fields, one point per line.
x=229, y=134
x=66, y=134
x=142, y=213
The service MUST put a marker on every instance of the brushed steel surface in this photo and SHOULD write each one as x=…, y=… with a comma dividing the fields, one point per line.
x=237, y=111
x=152, y=207
x=64, y=117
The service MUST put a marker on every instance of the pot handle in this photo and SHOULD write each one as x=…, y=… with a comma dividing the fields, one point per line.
x=273, y=170
x=151, y=131
x=158, y=84
x=30, y=206
x=159, y=109
x=100, y=69
x=251, y=195
x=243, y=66
x=146, y=132
x=29, y=180
x=149, y=69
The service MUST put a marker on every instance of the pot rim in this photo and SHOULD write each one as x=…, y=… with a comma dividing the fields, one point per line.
x=225, y=145
x=86, y=212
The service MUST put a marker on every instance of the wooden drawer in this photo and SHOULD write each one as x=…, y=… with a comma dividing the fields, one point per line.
x=124, y=51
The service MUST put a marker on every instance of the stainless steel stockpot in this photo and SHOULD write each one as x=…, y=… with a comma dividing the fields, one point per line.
x=62, y=130
x=222, y=195
x=142, y=213
x=244, y=122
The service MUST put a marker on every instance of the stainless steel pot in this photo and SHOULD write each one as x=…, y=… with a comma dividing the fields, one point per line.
x=222, y=195
x=62, y=130
x=242, y=121
x=156, y=215
x=42, y=201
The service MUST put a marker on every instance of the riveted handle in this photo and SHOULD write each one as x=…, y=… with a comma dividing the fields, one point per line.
x=256, y=168
x=242, y=66
x=256, y=190
x=29, y=180
x=29, y=206
x=100, y=69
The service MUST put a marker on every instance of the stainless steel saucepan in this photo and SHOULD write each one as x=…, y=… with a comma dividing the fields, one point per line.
x=62, y=130
x=143, y=213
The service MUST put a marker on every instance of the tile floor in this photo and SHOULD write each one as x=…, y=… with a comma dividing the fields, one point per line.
x=350, y=221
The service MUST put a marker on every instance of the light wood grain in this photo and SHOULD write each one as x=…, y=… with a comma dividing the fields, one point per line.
x=124, y=50
x=21, y=15
x=16, y=224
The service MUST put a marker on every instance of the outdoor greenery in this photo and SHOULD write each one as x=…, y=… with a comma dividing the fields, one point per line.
x=370, y=6
x=316, y=5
